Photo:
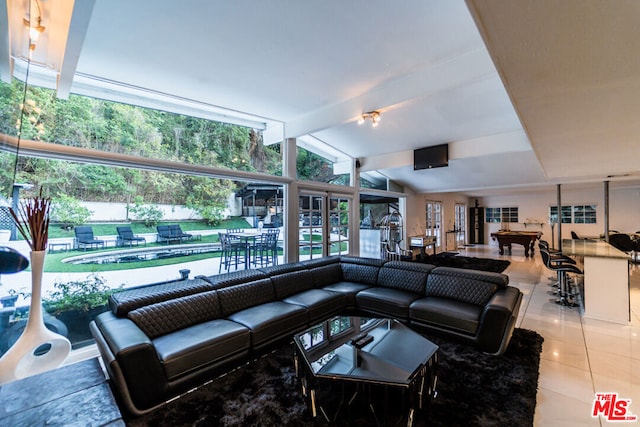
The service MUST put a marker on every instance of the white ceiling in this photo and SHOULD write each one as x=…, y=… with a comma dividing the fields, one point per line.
x=570, y=68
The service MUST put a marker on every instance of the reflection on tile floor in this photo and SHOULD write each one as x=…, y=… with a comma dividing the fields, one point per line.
x=580, y=356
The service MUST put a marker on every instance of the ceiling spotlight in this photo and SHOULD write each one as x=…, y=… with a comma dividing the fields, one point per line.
x=374, y=116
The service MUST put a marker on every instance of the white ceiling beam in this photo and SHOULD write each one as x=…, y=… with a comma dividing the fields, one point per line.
x=80, y=18
x=455, y=72
x=6, y=62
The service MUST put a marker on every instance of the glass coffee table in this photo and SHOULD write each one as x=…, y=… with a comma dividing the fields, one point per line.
x=365, y=358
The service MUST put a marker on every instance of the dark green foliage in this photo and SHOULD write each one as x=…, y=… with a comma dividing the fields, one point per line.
x=125, y=129
x=81, y=295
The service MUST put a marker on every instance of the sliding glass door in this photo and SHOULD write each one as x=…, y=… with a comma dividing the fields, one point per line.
x=324, y=221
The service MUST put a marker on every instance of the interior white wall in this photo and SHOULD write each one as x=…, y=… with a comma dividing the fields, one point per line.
x=624, y=205
x=416, y=216
x=533, y=206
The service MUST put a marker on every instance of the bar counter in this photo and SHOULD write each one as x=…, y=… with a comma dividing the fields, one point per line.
x=606, y=279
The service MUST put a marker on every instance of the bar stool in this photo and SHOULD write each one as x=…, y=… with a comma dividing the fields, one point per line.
x=566, y=296
x=556, y=257
x=232, y=252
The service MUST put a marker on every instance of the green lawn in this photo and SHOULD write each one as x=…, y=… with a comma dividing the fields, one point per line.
x=109, y=229
x=53, y=262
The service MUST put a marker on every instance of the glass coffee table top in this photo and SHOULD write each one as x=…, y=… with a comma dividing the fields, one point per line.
x=362, y=350
x=388, y=351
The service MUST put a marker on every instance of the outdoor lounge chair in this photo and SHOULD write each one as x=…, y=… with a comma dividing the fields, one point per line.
x=126, y=237
x=165, y=235
x=85, y=239
x=177, y=232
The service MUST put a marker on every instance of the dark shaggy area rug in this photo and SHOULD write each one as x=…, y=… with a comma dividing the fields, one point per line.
x=474, y=389
x=452, y=259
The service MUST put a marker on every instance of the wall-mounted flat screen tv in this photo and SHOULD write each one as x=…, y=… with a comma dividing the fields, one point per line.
x=436, y=156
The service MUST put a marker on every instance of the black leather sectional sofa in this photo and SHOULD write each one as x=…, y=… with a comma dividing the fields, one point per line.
x=161, y=340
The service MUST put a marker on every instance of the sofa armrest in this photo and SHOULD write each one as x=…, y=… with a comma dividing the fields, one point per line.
x=131, y=360
x=498, y=320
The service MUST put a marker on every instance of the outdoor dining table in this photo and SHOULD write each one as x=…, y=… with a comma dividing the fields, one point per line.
x=247, y=238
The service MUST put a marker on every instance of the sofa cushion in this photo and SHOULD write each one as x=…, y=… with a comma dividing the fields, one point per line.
x=319, y=303
x=408, y=276
x=125, y=301
x=390, y=302
x=168, y=316
x=461, y=285
x=291, y=283
x=238, y=297
x=271, y=321
x=200, y=345
x=446, y=313
x=349, y=289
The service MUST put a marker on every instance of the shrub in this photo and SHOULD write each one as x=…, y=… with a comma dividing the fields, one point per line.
x=211, y=215
x=81, y=295
x=150, y=215
x=68, y=212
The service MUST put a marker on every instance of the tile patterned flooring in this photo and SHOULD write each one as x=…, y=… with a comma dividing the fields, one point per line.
x=579, y=356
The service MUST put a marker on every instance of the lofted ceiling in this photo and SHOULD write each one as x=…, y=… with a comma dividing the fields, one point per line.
x=528, y=93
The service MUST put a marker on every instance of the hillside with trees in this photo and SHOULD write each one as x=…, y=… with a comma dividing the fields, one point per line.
x=36, y=114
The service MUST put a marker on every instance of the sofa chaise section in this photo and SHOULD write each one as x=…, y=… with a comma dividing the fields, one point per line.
x=476, y=307
x=167, y=348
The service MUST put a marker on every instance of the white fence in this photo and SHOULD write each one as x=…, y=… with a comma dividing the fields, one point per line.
x=108, y=212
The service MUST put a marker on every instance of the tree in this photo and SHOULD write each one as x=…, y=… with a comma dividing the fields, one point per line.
x=109, y=126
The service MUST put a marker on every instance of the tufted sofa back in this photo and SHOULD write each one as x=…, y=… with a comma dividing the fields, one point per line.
x=121, y=303
x=233, y=278
x=360, y=270
x=291, y=283
x=245, y=295
x=408, y=276
x=168, y=316
x=474, y=287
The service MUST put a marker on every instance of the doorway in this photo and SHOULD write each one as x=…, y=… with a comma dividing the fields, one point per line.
x=324, y=223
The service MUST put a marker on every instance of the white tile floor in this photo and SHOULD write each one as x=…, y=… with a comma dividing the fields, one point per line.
x=579, y=356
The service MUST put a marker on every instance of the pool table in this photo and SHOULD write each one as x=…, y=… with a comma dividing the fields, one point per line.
x=524, y=238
